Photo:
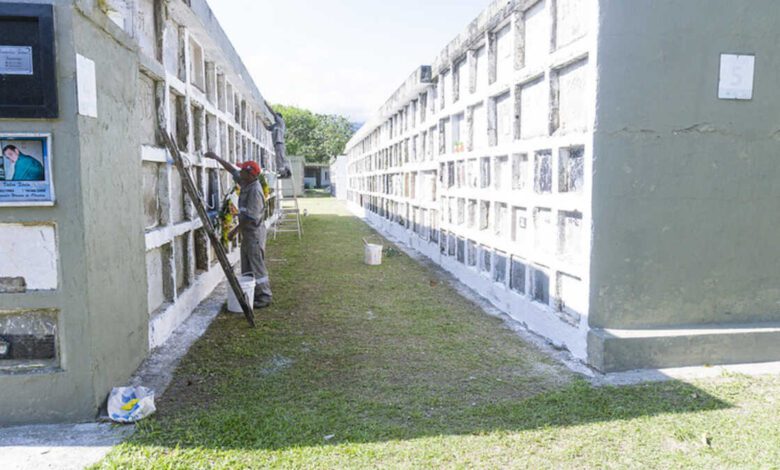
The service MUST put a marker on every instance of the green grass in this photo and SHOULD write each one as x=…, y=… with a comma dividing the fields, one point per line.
x=357, y=366
x=315, y=193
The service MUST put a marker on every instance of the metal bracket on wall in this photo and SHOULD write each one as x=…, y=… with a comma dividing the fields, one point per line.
x=189, y=187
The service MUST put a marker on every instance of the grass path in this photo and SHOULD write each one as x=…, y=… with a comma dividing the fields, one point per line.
x=357, y=366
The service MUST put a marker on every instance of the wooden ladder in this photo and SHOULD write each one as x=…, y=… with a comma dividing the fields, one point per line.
x=216, y=243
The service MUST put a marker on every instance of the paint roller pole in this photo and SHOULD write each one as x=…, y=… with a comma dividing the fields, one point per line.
x=189, y=187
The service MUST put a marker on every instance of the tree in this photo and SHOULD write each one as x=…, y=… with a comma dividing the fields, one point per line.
x=335, y=131
x=315, y=137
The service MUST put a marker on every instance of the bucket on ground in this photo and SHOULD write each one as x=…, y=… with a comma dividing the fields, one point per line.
x=247, y=283
x=373, y=255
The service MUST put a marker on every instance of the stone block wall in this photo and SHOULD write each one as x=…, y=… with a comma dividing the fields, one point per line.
x=189, y=84
x=592, y=180
x=482, y=162
x=90, y=283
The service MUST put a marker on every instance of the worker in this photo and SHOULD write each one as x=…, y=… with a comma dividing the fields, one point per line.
x=251, y=226
x=278, y=130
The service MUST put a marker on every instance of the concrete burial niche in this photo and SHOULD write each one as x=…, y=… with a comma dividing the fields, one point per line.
x=29, y=254
x=606, y=177
x=28, y=88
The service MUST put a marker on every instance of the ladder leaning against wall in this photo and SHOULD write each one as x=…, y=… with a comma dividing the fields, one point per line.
x=290, y=218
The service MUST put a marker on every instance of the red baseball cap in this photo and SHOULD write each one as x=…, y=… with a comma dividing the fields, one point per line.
x=252, y=167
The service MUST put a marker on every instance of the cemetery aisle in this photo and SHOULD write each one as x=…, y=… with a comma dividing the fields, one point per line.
x=357, y=366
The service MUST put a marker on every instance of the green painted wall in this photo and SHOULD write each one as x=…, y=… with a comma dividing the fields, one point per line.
x=113, y=212
x=101, y=296
x=70, y=390
x=685, y=197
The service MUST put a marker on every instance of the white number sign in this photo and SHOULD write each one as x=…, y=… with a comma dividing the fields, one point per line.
x=736, y=77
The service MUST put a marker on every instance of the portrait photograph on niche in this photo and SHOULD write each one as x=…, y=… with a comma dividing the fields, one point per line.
x=25, y=170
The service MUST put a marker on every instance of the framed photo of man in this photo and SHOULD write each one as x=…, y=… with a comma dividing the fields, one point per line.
x=25, y=170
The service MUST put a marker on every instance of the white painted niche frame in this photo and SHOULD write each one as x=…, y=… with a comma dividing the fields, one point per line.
x=737, y=73
x=8, y=198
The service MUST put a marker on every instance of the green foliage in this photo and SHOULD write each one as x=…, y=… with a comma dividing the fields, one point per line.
x=316, y=137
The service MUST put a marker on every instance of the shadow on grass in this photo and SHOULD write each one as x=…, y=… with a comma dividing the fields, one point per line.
x=306, y=421
x=376, y=354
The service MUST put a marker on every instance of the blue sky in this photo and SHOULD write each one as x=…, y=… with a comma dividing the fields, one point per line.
x=339, y=56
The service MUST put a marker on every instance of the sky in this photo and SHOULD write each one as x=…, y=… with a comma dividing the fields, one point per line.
x=339, y=56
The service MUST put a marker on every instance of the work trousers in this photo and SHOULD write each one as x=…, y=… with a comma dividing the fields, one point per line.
x=253, y=260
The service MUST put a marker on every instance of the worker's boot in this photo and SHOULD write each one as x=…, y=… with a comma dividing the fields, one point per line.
x=261, y=301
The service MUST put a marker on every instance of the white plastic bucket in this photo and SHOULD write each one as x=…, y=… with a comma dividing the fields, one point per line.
x=373, y=255
x=247, y=283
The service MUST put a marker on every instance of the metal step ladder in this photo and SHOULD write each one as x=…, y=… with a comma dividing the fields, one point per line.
x=289, y=219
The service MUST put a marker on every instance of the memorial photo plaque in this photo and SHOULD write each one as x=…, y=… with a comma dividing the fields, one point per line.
x=25, y=170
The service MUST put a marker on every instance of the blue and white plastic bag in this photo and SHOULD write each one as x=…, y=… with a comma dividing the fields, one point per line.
x=130, y=404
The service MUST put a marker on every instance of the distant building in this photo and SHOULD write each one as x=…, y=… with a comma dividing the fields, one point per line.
x=603, y=171
x=339, y=177
x=316, y=175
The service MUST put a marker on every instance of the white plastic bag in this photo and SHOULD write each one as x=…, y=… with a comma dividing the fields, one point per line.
x=130, y=404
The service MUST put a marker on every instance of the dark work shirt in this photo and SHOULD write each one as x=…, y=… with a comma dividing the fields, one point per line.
x=251, y=203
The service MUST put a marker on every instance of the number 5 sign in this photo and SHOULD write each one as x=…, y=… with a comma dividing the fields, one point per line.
x=736, y=76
